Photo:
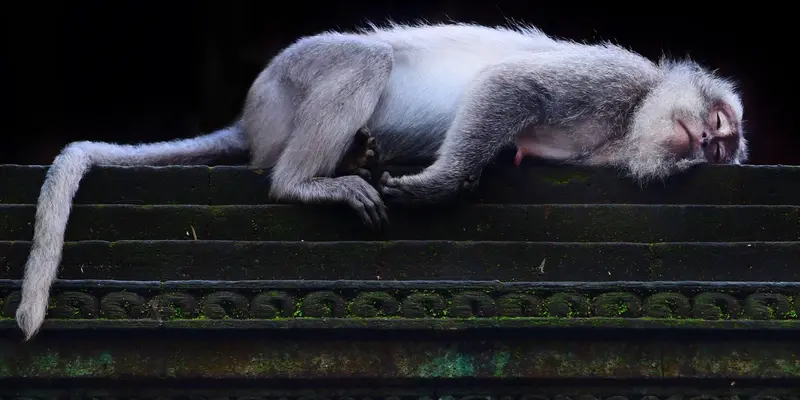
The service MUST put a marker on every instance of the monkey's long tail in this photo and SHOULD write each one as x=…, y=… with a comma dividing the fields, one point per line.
x=61, y=184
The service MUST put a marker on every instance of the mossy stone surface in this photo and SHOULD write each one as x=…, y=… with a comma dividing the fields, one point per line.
x=478, y=222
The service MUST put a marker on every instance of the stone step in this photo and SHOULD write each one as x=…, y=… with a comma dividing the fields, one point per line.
x=537, y=184
x=487, y=222
x=555, y=282
x=510, y=261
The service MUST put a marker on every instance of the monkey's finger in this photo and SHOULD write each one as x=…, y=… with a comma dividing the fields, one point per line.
x=361, y=211
x=381, y=215
x=374, y=217
x=377, y=210
x=384, y=215
x=368, y=208
x=380, y=207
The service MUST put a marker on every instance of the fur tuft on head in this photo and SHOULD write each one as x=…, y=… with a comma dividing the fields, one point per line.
x=675, y=124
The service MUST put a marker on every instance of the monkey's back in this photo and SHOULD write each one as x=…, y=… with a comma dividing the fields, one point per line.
x=433, y=66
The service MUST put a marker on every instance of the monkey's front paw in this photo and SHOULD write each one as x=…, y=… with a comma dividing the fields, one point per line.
x=391, y=189
x=417, y=189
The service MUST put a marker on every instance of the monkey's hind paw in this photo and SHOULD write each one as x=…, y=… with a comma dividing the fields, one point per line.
x=369, y=146
x=471, y=183
x=362, y=155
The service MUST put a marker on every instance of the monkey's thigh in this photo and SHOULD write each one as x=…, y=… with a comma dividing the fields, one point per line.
x=334, y=83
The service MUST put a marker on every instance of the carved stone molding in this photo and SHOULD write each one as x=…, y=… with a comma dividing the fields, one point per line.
x=272, y=302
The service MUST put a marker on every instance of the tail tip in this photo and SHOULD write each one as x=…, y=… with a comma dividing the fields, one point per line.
x=29, y=319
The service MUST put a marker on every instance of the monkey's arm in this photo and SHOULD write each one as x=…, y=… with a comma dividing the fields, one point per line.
x=503, y=100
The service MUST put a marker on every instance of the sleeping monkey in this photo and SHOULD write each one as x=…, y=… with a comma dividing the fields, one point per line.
x=455, y=94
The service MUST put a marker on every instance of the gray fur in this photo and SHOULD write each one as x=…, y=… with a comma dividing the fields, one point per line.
x=453, y=94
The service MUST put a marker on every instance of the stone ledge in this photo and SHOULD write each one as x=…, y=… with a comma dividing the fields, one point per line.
x=535, y=184
x=414, y=260
x=576, y=391
x=537, y=223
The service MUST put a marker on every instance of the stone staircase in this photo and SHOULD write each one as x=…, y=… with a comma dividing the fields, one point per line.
x=552, y=282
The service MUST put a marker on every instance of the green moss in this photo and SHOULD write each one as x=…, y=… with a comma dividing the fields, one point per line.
x=500, y=361
x=451, y=365
x=283, y=364
x=563, y=181
x=217, y=211
x=75, y=366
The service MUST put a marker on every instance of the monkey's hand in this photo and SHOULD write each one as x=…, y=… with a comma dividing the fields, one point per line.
x=427, y=187
x=360, y=196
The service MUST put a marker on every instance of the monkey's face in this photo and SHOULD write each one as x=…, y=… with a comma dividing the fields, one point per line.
x=713, y=136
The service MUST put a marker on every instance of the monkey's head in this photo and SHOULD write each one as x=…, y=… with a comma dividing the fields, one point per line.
x=690, y=117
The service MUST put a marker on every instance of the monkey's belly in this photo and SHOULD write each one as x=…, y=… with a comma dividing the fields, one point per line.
x=530, y=147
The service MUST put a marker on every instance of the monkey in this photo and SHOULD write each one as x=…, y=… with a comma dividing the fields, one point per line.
x=451, y=94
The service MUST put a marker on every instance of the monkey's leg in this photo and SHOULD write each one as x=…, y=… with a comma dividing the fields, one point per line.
x=332, y=84
x=362, y=155
x=503, y=101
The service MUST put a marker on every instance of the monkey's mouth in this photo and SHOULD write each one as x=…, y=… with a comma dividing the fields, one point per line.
x=717, y=153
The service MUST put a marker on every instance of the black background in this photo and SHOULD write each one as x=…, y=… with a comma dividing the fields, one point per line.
x=133, y=71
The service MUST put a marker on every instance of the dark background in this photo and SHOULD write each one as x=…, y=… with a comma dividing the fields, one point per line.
x=132, y=71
